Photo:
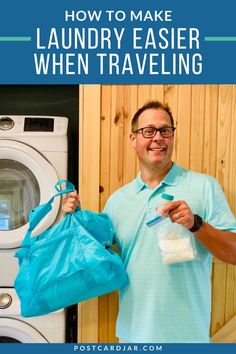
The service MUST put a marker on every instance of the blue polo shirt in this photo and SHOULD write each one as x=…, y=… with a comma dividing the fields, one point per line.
x=165, y=303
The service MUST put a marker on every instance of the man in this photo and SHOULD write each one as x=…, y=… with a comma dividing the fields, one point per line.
x=166, y=303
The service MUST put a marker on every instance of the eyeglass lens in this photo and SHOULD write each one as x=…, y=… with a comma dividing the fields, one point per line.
x=150, y=132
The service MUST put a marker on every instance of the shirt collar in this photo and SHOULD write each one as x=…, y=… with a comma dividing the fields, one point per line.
x=173, y=176
x=171, y=179
x=139, y=184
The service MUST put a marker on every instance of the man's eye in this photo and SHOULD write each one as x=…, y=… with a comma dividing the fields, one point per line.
x=164, y=130
x=149, y=130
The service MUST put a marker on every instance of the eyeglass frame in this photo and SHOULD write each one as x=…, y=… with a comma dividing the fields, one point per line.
x=157, y=130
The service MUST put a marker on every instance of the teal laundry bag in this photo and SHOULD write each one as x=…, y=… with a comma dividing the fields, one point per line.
x=70, y=262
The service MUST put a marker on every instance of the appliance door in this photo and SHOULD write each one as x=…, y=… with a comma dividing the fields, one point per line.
x=26, y=180
x=16, y=331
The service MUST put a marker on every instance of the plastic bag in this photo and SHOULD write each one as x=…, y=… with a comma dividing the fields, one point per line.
x=176, y=243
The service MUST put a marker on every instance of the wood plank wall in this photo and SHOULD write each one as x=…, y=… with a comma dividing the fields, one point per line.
x=205, y=117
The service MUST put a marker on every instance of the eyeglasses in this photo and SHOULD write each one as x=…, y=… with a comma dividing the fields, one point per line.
x=150, y=132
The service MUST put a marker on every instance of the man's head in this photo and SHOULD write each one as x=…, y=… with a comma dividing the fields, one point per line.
x=151, y=105
x=152, y=135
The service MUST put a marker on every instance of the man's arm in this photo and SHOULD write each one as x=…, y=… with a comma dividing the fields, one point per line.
x=222, y=244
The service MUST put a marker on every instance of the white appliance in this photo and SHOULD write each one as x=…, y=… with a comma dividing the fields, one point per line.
x=33, y=156
x=14, y=328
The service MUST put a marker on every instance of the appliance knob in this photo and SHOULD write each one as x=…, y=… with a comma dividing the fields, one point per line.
x=5, y=300
x=6, y=123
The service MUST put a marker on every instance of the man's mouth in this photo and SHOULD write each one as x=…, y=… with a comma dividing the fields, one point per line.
x=156, y=148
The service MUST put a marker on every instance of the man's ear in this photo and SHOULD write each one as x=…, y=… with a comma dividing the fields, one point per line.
x=132, y=138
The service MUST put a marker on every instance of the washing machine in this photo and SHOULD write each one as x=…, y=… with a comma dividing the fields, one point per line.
x=16, y=329
x=33, y=157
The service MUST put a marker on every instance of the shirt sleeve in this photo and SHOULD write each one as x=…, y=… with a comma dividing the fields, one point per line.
x=217, y=212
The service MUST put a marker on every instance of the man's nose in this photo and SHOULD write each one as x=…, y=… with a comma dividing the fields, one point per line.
x=158, y=136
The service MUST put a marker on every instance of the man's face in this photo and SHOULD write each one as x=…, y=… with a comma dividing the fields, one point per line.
x=156, y=151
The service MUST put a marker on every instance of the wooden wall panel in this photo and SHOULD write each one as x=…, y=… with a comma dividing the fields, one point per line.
x=157, y=92
x=89, y=144
x=105, y=143
x=130, y=161
x=171, y=97
x=117, y=137
x=219, y=279
x=197, y=127
x=227, y=333
x=205, y=142
x=232, y=179
x=105, y=152
x=210, y=130
x=229, y=187
x=223, y=141
x=183, y=125
x=230, y=301
x=89, y=166
x=144, y=93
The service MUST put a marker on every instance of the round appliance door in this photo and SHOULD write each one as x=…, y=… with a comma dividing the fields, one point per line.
x=27, y=179
x=16, y=331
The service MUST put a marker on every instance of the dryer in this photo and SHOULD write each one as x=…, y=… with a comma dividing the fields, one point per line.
x=33, y=156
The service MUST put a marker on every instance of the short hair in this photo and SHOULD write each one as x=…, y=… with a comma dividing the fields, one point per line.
x=151, y=105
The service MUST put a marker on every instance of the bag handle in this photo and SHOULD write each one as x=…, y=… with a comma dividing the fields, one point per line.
x=38, y=213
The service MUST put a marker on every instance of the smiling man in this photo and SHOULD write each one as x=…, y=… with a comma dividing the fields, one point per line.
x=152, y=138
x=166, y=303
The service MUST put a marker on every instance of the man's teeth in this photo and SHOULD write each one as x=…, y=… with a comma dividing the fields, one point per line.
x=161, y=149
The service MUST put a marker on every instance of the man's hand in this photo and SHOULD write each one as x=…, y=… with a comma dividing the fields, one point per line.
x=70, y=203
x=180, y=213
